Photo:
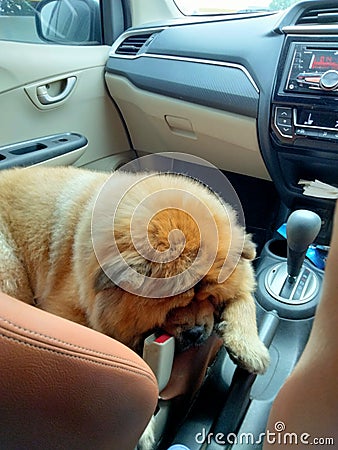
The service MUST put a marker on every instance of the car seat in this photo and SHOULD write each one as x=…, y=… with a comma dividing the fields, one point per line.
x=65, y=386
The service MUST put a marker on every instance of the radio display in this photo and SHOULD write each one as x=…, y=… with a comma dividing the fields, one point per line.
x=307, y=67
x=323, y=60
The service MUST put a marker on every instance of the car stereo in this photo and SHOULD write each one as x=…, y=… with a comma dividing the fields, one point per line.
x=313, y=69
x=305, y=105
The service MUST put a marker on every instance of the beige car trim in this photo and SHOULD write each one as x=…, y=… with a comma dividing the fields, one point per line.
x=153, y=11
x=157, y=123
x=111, y=163
x=23, y=63
x=64, y=160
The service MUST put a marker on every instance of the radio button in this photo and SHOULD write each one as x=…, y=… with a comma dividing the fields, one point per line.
x=283, y=121
x=329, y=80
x=285, y=130
x=322, y=134
x=301, y=132
x=306, y=132
x=308, y=79
x=283, y=113
x=314, y=80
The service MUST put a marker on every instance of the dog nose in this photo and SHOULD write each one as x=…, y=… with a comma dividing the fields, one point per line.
x=194, y=334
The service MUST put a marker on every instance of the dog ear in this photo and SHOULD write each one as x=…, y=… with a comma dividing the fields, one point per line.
x=249, y=248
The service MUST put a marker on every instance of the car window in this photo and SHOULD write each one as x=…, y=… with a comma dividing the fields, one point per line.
x=204, y=7
x=17, y=21
x=75, y=22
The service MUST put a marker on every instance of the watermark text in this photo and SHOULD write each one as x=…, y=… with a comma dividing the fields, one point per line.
x=277, y=436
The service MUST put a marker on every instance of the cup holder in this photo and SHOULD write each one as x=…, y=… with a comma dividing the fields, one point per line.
x=277, y=247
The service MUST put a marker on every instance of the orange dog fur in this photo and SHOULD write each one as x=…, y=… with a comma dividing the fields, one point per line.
x=47, y=258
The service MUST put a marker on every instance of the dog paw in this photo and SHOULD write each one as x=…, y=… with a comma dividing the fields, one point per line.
x=255, y=359
x=249, y=354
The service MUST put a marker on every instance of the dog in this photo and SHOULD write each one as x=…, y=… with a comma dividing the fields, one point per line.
x=129, y=254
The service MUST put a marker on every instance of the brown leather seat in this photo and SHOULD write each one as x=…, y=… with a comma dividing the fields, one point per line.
x=65, y=386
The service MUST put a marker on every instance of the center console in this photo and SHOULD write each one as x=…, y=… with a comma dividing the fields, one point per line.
x=303, y=132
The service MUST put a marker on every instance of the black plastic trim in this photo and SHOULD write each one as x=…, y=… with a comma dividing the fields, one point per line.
x=216, y=86
x=34, y=151
x=292, y=15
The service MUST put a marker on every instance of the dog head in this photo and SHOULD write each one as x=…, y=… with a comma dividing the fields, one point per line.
x=195, y=265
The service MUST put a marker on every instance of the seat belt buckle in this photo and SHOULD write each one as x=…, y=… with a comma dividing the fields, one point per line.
x=158, y=353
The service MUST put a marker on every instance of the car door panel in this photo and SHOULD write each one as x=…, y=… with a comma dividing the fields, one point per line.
x=87, y=110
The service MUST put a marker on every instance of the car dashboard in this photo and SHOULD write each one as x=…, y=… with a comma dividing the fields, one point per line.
x=254, y=94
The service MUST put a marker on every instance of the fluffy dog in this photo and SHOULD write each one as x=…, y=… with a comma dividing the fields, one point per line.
x=92, y=251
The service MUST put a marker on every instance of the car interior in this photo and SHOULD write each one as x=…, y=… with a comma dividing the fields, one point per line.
x=99, y=84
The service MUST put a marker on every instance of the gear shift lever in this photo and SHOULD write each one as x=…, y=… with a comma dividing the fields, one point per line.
x=291, y=281
x=302, y=229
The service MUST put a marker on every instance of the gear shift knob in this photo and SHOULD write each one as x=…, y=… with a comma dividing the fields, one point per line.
x=302, y=229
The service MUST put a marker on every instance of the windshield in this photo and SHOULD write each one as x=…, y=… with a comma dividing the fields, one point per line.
x=204, y=7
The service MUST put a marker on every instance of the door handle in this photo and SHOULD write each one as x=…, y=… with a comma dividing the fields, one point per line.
x=46, y=99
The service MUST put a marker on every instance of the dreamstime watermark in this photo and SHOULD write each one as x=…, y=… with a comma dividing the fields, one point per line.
x=277, y=436
x=156, y=231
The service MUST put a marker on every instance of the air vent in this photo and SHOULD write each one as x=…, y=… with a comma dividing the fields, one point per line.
x=319, y=16
x=132, y=44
